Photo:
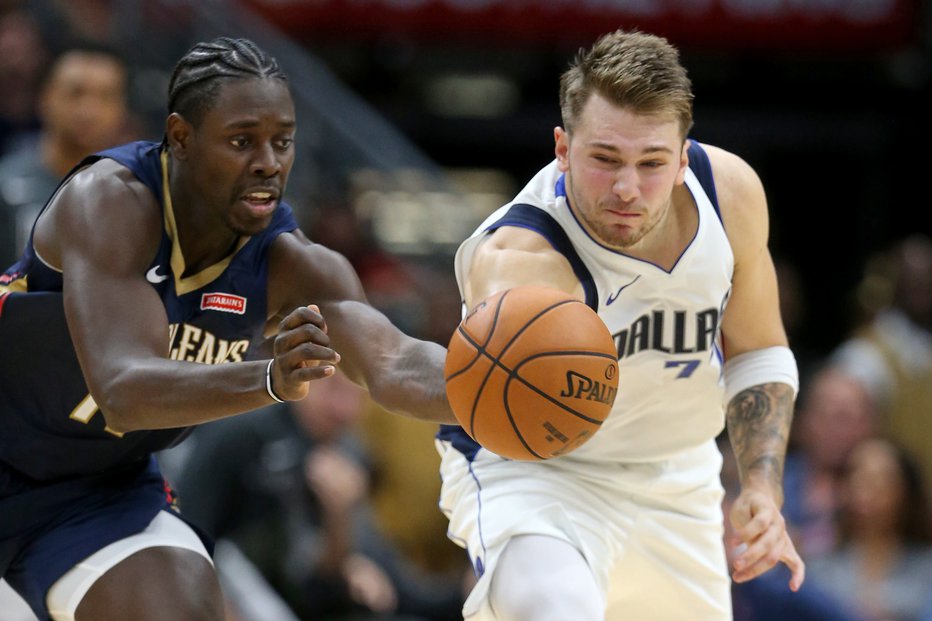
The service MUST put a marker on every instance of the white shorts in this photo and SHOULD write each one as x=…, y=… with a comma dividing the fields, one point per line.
x=165, y=529
x=652, y=534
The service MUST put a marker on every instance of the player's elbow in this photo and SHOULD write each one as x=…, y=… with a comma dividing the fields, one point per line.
x=117, y=402
x=117, y=417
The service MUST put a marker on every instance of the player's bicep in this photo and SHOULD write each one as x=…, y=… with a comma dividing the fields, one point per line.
x=104, y=238
x=511, y=257
x=752, y=318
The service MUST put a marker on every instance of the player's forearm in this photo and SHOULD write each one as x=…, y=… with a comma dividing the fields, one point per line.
x=759, y=420
x=412, y=383
x=164, y=394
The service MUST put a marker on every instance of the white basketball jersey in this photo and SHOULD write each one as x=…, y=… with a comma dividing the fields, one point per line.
x=666, y=324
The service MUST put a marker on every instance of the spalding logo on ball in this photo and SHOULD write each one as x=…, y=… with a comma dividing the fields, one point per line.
x=531, y=373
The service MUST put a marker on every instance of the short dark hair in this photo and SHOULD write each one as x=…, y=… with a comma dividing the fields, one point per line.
x=197, y=77
x=632, y=70
x=88, y=47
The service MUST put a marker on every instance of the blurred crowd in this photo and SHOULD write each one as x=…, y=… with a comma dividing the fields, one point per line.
x=858, y=473
x=327, y=509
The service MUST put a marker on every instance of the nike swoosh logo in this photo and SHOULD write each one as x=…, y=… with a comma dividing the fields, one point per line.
x=154, y=277
x=612, y=297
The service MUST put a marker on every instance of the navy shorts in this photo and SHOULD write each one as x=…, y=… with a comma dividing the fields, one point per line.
x=46, y=530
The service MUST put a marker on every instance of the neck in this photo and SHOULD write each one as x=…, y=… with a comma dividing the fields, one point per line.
x=203, y=240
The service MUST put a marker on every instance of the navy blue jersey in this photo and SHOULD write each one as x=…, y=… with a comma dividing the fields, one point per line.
x=51, y=427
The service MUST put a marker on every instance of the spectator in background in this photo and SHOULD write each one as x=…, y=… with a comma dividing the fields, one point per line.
x=88, y=20
x=83, y=109
x=892, y=351
x=23, y=58
x=422, y=299
x=835, y=413
x=883, y=564
x=407, y=489
x=289, y=486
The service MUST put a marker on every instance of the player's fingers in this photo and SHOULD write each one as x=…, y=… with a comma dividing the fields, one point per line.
x=291, y=371
x=760, y=554
x=766, y=524
x=303, y=315
x=795, y=562
x=311, y=373
x=305, y=356
x=306, y=342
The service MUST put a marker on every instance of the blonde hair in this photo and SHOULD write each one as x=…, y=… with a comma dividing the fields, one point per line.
x=632, y=70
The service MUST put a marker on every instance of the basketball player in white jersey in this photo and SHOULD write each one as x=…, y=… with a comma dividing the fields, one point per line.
x=667, y=240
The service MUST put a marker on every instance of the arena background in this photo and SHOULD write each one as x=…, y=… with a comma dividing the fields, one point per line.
x=423, y=115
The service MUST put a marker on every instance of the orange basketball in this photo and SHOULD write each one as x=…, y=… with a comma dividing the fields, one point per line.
x=531, y=373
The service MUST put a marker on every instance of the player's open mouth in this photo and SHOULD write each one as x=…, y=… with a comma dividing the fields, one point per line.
x=261, y=203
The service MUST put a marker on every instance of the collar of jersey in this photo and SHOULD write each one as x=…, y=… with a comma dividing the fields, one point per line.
x=206, y=275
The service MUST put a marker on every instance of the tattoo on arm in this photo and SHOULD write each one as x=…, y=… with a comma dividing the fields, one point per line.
x=758, y=422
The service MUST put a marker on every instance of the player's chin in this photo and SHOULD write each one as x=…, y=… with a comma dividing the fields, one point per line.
x=249, y=224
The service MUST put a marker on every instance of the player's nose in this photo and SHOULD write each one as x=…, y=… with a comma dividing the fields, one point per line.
x=625, y=185
x=266, y=162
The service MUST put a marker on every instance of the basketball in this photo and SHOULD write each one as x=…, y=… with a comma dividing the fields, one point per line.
x=531, y=373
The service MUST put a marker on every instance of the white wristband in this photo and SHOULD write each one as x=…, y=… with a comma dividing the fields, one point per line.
x=760, y=366
x=268, y=382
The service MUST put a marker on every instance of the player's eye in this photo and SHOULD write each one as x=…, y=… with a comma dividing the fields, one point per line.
x=239, y=141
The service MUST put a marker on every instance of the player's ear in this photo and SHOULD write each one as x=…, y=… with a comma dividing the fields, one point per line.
x=178, y=134
x=561, y=139
x=683, y=164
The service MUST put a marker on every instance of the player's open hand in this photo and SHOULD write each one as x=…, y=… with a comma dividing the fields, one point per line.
x=301, y=353
x=761, y=529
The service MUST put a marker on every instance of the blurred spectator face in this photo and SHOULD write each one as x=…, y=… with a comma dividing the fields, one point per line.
x=84, y=100
x=836, y=415
x=875, y=489
x=22, y=56
x=914, y=282
x=332, y=406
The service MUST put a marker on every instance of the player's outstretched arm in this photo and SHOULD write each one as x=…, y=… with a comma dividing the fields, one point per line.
x=102, y=230
x=760, y=376
x=401, y=373
x=513, y=257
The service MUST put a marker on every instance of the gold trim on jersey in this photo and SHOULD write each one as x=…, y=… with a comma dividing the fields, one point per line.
x=86, y=410
x=18, y=285
x=208, y=274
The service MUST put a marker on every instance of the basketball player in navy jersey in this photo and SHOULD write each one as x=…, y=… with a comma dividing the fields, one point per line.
x=129, y=319
x=666, y=239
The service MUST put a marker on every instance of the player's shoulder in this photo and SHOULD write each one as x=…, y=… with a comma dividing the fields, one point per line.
x=737, y=185
x=106, y=180
x=730, y=170
x=295, y=245
x=516, y=241
x=300, y=269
